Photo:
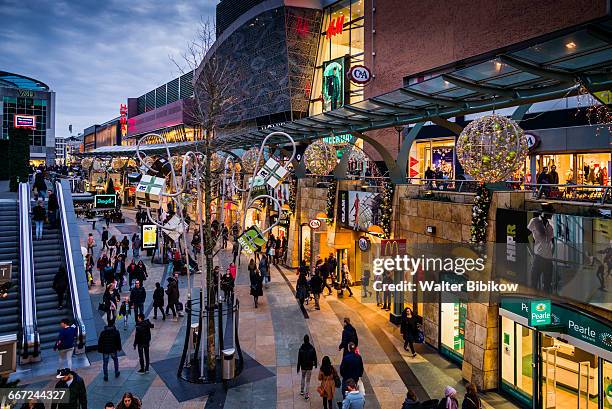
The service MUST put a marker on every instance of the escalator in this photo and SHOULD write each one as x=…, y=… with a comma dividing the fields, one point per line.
x=48, y=256
x=9, y=251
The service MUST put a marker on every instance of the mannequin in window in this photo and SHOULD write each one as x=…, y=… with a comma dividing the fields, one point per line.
x=543, y=238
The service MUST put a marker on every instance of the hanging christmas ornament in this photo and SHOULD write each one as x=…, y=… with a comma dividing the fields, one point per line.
x=216, y=162
x=320, y=158
x=357, y=155
x=131, y=163
x=86, y=163
x=177, y=162
x=249, y=159
x=492, y=148
x=98, y=165
x=117, y=163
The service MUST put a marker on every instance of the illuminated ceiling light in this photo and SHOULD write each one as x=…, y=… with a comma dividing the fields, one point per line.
x=498, y=65
x=571, y=45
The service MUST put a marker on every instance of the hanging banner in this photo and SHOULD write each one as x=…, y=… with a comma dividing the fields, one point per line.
x=251, y=240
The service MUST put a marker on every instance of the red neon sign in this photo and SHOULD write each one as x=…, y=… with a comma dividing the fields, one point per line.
x=123, y=120
x=335, y=27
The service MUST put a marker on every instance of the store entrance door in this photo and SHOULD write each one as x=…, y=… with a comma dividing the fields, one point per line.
x=569, y=376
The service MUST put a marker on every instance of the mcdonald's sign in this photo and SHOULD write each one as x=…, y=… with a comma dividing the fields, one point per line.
x=335, y=27
x=392, y=247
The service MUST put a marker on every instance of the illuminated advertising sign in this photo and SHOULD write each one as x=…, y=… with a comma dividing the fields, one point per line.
x=335, y=27
x=123, y=111
x=359, y=210
x=105, y=201
x=333, y=84
x=25, y=121
x=149, y=236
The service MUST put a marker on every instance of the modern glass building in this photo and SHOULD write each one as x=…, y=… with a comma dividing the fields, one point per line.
x=21, y=95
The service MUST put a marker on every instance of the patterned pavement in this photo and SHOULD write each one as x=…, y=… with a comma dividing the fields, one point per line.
x=271, y=335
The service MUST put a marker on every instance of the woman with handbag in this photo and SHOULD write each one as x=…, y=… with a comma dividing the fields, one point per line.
x=256, y=283
x=329, y=382
x=409, y=329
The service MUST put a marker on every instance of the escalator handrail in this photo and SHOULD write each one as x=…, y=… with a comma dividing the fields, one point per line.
x=30, y=342
x=72, y=279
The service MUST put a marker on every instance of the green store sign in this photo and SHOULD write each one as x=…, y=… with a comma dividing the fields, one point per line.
x=568, y=321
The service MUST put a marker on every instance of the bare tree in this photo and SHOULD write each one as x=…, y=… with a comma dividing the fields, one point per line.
x=206, y=113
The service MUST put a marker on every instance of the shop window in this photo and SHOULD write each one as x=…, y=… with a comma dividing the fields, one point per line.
x=452, y=323
x=517, y=359
x=607, y=384
x=435, y=154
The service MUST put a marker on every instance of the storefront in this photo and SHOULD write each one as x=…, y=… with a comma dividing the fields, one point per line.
x=566, y=364
x=577, y=168
x=436, y=154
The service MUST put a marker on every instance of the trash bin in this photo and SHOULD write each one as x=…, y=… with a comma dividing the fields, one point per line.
x=229, y=363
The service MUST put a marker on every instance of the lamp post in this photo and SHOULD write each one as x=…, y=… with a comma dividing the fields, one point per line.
x=399, y=130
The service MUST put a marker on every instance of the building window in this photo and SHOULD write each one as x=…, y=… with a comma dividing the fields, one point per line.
x=26, y=106
x=517, y=358
x=341, y=42
x=452, y=324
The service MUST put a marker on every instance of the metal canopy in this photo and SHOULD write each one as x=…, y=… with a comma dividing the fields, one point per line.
x=546, y=70
x=151, y=149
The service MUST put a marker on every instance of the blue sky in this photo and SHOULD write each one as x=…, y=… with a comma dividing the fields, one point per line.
x=96, y=53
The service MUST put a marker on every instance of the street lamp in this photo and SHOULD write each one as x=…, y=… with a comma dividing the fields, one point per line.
x=399, y=130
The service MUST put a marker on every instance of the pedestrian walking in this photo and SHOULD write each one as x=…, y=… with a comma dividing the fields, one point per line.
x=471, y=399
x=112, y=245
x=125, y=245
x=349, y=335
x=345, y=280
x=264, y=269
x=252, y=266
x=142, y=339
x=60, y=284
x=65, y=343
x=110, y=301
x=39, y=215
x=449, y=401
x=225, y=236
x=387, y=279
x=129, y=401
x=138, y=295
x=91, y=243
x=324, y=273
x=109, y=405
x=351, y=367
x=107, y=218
x=227, y=286
x=354, y=399
x=158, y=301
x=256, y=284
x=316, y=287
x=108, y=274
x=104, y=238
x=411, y=401
x=173, y=297
x=136, y=243
x=89, y=265
x=301, y=290
x=307, y=360
x=109, y=344
x=365, y=283
x=141, y=272
x=409, y=329
x=124, y=311
x=52, y=208
x=76, y=392
x=101, y=264
x=131, y=273
x=235, y=250
x=329, y=382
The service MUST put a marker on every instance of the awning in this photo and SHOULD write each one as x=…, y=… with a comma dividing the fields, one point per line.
x=129, y=151
x=547, y=69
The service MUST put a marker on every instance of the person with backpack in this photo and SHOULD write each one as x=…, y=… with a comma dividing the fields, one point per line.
x=307, y=360
x=109, y=344
x=349, y=335
x=471, y=399
x=328, y=376
x=351, y=367
x=158, y=301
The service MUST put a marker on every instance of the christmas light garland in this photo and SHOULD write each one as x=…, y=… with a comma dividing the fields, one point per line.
x=292, y=194
x=480, y=211
x=331, y=202
x=388, y=189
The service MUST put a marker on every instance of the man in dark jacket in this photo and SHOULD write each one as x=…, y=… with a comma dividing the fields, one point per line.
x=138, y=295
x=349, y=334
x=158, y=301
x=39, y=215
x=60, y=284
x=109, y=343
x=316, y=287
x=142, y=339
x=104, y=238
x=173, y=296
x=65, y=343
x=307, y=359
x=324, y=271
x=351, y=367
x=76, y=394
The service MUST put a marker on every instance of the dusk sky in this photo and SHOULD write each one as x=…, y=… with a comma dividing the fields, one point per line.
x=95, y=54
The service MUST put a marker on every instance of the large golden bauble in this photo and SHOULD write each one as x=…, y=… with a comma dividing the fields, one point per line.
x=249, y=159
x=492, y=148
x=320, y=158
